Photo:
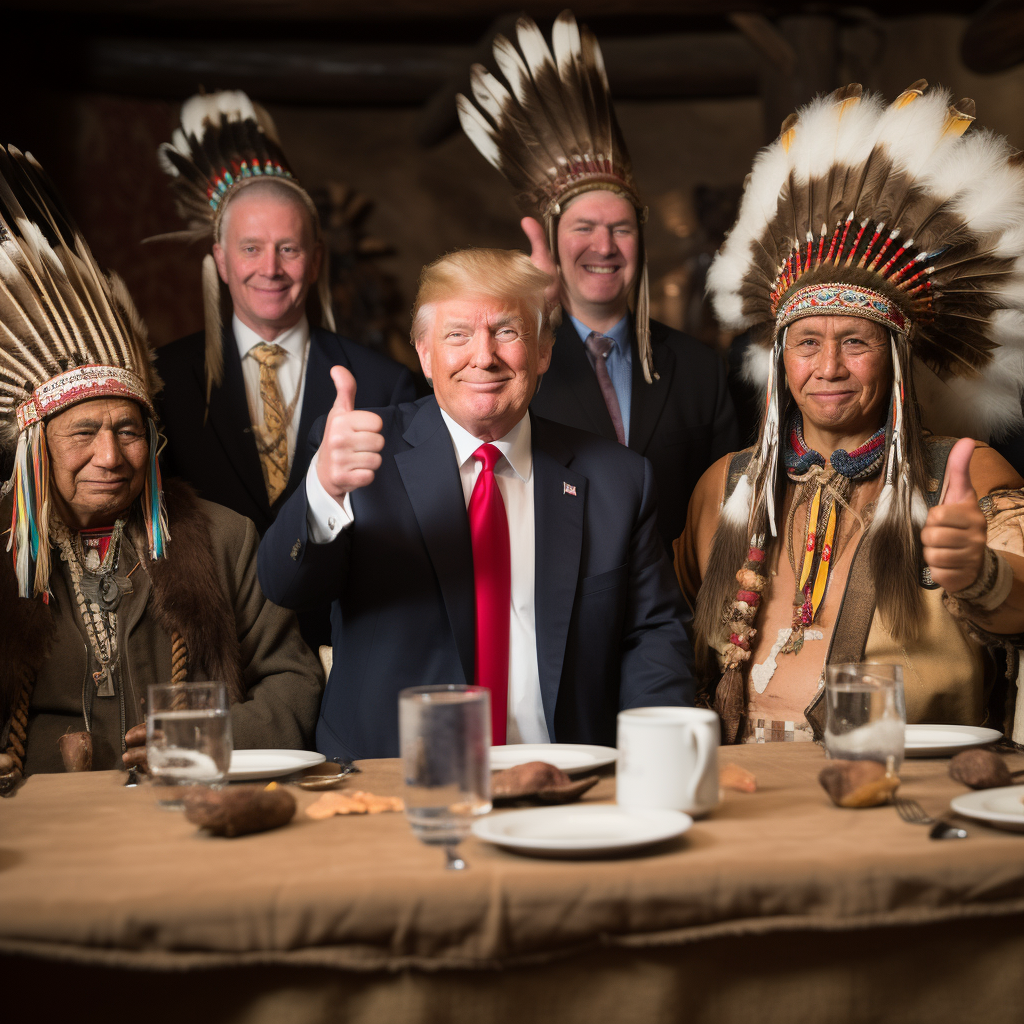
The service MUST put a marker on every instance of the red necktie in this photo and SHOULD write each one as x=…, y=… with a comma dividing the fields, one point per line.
x=492, y=575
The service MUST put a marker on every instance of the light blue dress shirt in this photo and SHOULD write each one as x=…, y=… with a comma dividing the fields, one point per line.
x=619, y=362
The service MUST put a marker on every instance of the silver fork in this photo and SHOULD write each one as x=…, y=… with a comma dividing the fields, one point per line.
x=913, y=813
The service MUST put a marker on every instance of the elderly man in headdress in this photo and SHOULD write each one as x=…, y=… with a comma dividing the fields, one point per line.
x=877, y=254
x=241, y=396
x=613, y=371
x=112, y=582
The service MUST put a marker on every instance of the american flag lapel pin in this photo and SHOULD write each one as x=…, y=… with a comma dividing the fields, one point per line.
x=568, y=488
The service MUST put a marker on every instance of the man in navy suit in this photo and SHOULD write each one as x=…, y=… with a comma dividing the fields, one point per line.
x=594, y=620
x=268, y=257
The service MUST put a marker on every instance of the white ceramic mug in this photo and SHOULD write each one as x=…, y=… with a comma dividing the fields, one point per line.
x=668, y=758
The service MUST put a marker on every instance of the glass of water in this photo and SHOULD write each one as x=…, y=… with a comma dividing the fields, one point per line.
x=867, y=715
x=445, y=735
x=188, y=735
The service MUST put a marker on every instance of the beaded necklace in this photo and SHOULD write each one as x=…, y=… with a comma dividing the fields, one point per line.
x=824, y=487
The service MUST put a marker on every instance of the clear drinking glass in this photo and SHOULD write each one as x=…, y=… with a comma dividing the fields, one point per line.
x=445, y=735
x=188, y=735
x=867, y=715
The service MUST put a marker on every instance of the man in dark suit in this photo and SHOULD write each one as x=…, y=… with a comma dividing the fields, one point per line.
x=241, y=450
x=463, y=540
x=683, y=419
x=268, y=258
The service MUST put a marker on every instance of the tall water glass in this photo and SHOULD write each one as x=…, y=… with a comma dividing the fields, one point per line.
x=445, y=736
x=867, y=715
x=188, y=735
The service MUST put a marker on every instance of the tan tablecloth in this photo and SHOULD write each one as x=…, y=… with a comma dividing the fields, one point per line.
x=94, y=874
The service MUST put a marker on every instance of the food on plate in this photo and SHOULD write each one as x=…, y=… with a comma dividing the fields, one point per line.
x=356, y=802
x=732, y=776
x=538, y=780
x=238, y=810
x=858, y=783
x=980, y=769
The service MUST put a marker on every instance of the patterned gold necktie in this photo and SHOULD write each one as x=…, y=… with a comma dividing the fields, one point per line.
x=274, y=447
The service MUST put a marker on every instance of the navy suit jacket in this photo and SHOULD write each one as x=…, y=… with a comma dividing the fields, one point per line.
x=610, y=618
x=217, y=454
x=682, y=422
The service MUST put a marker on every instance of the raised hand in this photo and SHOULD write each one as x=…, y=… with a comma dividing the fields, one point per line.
x=954, y=534
x=349, y=455
x=541, y=258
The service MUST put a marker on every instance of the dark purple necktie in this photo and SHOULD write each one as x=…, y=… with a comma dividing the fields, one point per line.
x=599, y=345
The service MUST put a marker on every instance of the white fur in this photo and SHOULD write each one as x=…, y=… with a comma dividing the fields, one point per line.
x=736, y=511
x=757, y=361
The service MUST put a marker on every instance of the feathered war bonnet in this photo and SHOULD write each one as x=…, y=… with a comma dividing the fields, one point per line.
x=68, y=333
x=898, y=214
x=555, y=136
x=225, y=143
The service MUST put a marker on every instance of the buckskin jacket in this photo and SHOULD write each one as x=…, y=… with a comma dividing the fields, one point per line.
x=206, y=593
x=954, y=673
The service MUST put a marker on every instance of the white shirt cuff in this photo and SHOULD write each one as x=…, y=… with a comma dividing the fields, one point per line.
x=325, y=518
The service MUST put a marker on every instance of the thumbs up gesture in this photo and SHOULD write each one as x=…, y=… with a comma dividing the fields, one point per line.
x=955, y=532
x=541, y=258
x=349, y=454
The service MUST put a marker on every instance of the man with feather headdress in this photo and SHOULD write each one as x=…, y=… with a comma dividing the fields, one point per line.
x=878, y=256
x=614, y=371
x=112, y=581
x=241, y=396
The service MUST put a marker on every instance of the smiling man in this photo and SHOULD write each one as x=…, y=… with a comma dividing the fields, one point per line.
x=613, y=371
x=462, y=539
x=113, y=581
x=850, y=532
x=238, y=398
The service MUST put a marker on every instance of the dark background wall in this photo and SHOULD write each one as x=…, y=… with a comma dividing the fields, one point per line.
x=367, y=100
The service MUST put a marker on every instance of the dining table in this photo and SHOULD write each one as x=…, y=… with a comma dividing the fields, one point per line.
x=778, y=906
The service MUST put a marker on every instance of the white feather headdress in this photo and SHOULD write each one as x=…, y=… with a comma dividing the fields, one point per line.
x=553, y=133
x=68, y=333
x=225, y=143
x=893, y=213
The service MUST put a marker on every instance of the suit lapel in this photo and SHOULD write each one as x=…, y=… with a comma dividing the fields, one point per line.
x=569, y=364
x=430, y=473
x=558, y=539
x=229, y=418
x=318, y=396
x=648, y=400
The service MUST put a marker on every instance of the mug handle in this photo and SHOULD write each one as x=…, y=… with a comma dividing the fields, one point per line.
x=704, y=748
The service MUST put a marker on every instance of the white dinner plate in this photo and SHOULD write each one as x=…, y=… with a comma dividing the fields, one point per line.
x=570, y=757
x=944, y=740
x=270, y=764
x=580, y=829
x=1002, y=807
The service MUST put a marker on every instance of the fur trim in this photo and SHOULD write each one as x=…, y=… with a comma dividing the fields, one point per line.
x=188, y=598
x=27, y=637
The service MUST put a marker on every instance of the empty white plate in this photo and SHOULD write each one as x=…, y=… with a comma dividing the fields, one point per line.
x=945, y=740
x=580, y=829
x=570, y=757
x=1002, y=807
x=270, y=764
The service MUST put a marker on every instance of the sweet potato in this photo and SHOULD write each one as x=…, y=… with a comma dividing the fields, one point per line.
x=238, y=810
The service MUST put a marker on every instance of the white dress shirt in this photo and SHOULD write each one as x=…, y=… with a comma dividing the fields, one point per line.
x=514, y=476
x=290, y=375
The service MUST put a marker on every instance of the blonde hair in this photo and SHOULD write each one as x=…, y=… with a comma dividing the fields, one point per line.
x=503, y=274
